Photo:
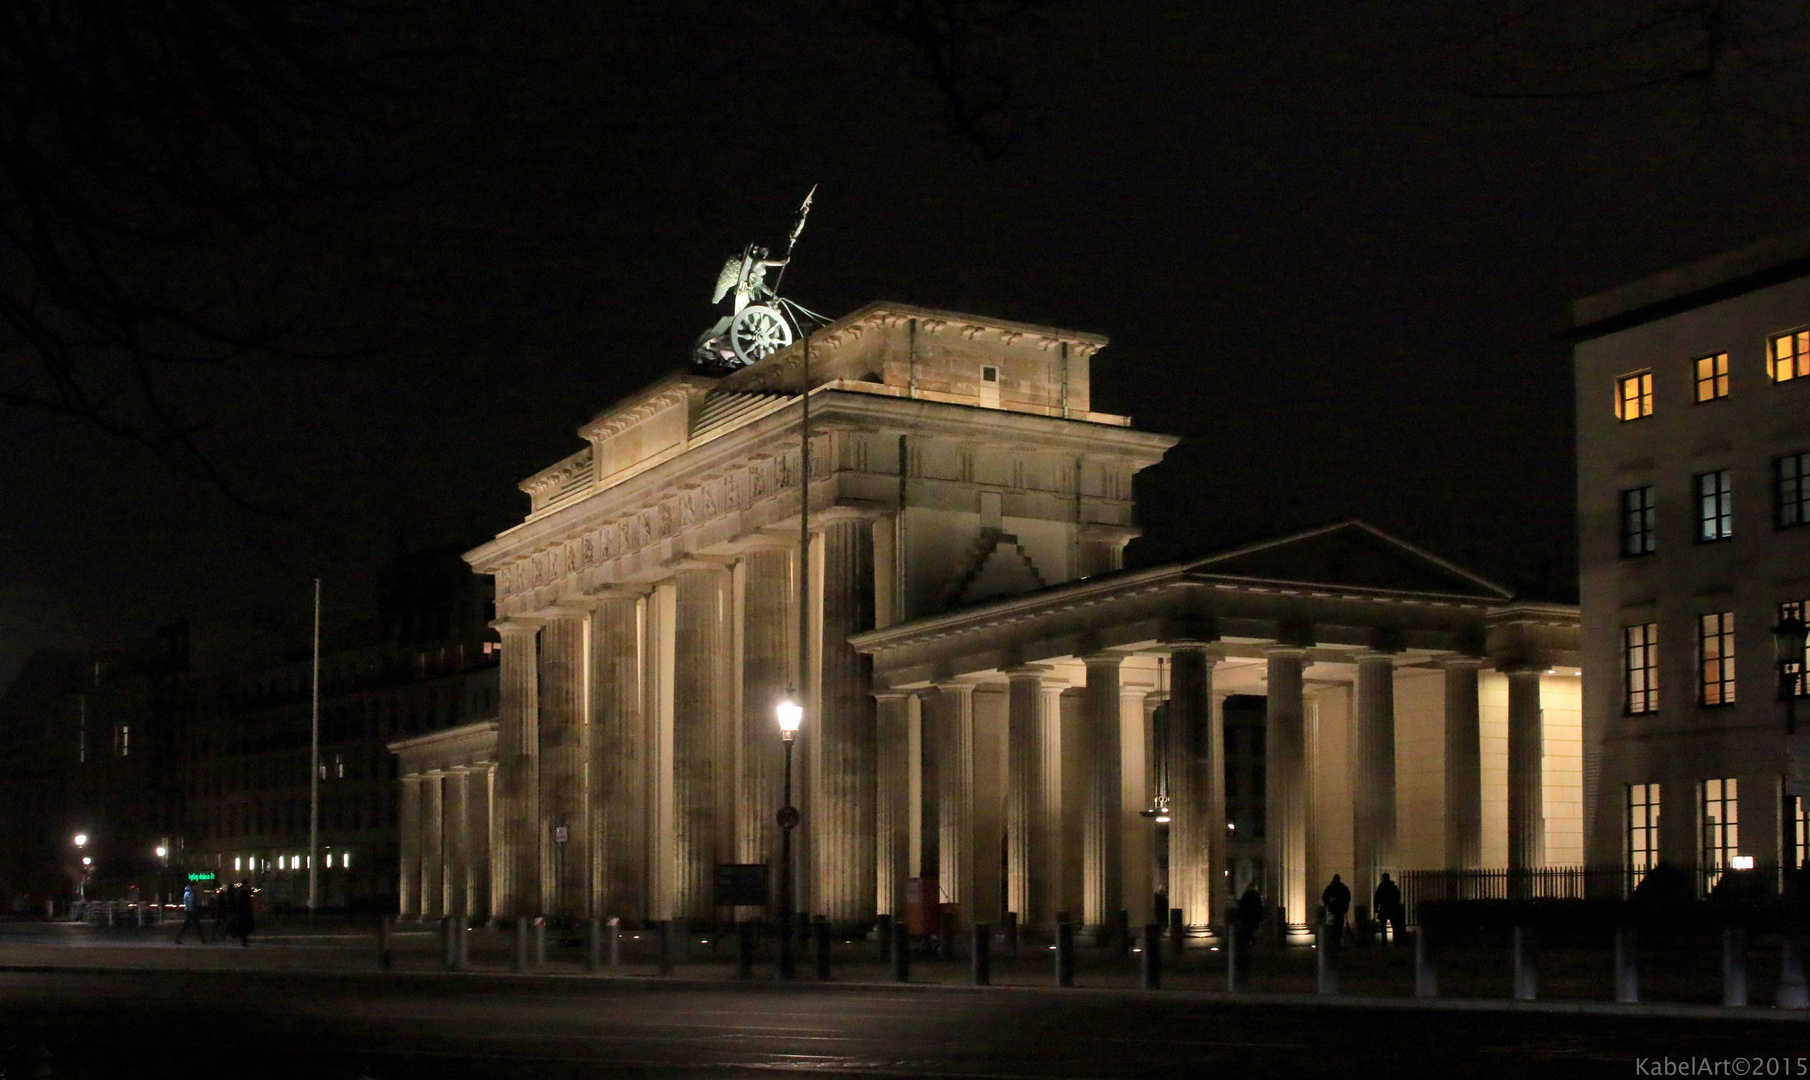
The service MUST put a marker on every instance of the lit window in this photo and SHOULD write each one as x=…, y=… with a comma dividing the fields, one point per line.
x=238, y=864
x=1640, y=663
x=1634, y=396
x=1788, y=356
x=1715, y=506
x=345, y=861
x=1712, y=377
x=1643, y=827
x=329, y=860
x=280, y=862
x=1716, y=650
x=1639, y=521
x=1721, y=823
x=1791, y=490
x=1798, y=805
x=1791, y=672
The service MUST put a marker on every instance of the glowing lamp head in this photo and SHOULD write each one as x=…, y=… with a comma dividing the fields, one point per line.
x=162, y=851
x=86, y=861
x=81, y=839
x=791, y=716
x=1162, y=817
x=1741, y=862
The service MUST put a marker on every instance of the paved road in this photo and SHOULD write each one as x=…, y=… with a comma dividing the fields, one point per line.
x=292, y=1024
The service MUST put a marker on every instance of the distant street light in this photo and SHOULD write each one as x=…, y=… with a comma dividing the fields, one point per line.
x=81, y=839
x=86, y=861
x=163, y=852
x=791, y=717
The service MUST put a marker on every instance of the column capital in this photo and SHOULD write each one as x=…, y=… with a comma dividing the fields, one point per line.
x=1457, y=663
x=1523, y=670
x=841, y=512
x=1026, y=672
x=1192, y=644
x=1104, y=658
x=1275, y=652
x=1375, y=655
x=957, y=686
x=517, y=625
x=893, y=695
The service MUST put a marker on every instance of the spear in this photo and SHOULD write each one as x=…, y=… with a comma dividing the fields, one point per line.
x=804, y=211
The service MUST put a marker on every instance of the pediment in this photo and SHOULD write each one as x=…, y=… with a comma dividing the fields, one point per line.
x=1354, y=555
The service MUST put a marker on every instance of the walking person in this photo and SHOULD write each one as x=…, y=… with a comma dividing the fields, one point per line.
x=216, y=904
x=1337, y=899
x=191, y=915
x=1388, y=908
x=239, y=913
x=1250, y=914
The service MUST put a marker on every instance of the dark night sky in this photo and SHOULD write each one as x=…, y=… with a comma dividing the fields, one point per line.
x=1338, y=277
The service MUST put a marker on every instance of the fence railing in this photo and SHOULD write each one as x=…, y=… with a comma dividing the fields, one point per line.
x=1537, y=883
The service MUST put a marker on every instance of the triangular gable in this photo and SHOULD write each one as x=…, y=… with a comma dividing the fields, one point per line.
x=1351, y=554
x=998, y=567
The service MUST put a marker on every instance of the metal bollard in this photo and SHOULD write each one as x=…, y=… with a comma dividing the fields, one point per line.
x=1178, y=932
x=462, y=957
x=744, y=950
x=519, y=959
x=1153, y=957
x=1065, y=954
x=593, y=945
x=1734, y=967
x=665, y=935
x=1235, y=958
x=385, y=956
x=449, y=945
x=980, y=954
x=1121, y=933
x=1010, y=939
x=883, y=936
x=1327, y=959
x=1526, y=978
x=901, y=953
x=946, y=935
x=1792, y=992
x=820, y=927
x=615, y=930
x=540, y=942
x=1426, y=966
x=1627, y=973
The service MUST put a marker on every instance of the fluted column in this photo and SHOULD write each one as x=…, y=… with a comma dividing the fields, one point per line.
x=565, y=868
x=1526, y=810
x=1373, y=771
x=954, y=708
x=892, y=810
x=1102, y=878
x=1026, y=861
x=842, y=791
x=454, y=839
x=409, y=828
x=1196, y=832
x=1285, y=770
x=1463, y=766
x=480, y=782
x=769, y=624
x=515, y=862
x=700, y=714
x=1054, y=888
x=619, y=761
x=433, y=863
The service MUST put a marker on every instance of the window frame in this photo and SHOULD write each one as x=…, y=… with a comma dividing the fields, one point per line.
x=1795, y=668
x=1797, y=364
x=1723, y=496
x=1646, y=535
x=1646, y=798
x=1716, y=659
x=1642, y=398
x=1640, y=657
x=1717, y=380
x=1718, y=836
x=1798, y=503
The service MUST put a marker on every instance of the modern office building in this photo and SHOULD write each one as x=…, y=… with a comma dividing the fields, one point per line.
x=1693, y=422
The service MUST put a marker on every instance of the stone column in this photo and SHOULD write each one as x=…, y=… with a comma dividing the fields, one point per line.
x=1526, y=812
x=892, y=809
x=1026, y=860
x=842, y=791
x=1102, y=876
x=409, y=826
x=433, y=863
x=1285, y=774
x=769, y=656
x=1463, y=766
x=619, y=761
x=455, y=839
x=1137, y=858
x=1372, y=772
x=700, y=715
x=954, y=754
x=515, y=862
x=565, y=868
x=1054, y=887
x=1196, y=832
x=478, y=799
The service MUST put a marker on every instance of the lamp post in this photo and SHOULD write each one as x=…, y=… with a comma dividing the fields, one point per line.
x=162, y=852
x=791, y=716
x=81, y=886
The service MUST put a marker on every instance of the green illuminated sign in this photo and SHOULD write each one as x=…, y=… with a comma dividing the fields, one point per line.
x=203, y=876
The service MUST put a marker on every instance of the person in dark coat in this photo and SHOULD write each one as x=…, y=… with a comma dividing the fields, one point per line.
x=1389, y=908
x=1250, y=912
x=239, y=913
x=1337, y=899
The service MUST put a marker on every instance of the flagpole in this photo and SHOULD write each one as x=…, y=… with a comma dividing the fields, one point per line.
x=314, y=760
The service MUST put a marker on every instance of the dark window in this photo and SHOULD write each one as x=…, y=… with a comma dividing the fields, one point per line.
x=1638, y=521
x=1791, y=490
x=1715, y=506
x=1791, y=672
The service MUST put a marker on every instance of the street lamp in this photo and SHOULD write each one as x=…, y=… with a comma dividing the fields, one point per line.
x=1788, y=638
x=81, y=887
x=791, y=717
x=81, y=839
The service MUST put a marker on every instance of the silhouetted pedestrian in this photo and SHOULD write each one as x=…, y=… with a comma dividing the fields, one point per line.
x=239, y=915
x=1388, y=906
x=191, y=915
x=1250, y=913
x=1337, y=899
x=216, y=904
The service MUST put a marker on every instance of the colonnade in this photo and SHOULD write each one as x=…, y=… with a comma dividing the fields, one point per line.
x=446, y=817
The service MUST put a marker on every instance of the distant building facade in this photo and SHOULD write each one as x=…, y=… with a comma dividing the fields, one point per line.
x=997, y=714
x=1693, y=420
